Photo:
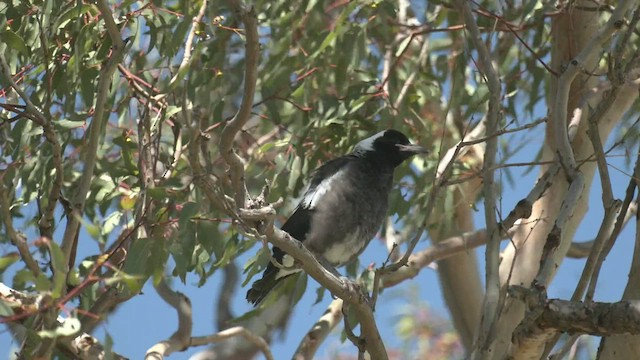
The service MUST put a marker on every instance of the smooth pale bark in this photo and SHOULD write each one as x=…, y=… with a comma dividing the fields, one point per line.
x=459, y=277
x=572, y=30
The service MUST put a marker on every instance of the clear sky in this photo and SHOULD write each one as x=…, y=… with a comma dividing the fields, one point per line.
x=146, y=319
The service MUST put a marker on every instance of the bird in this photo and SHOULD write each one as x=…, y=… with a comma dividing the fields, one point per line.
x=342, y=208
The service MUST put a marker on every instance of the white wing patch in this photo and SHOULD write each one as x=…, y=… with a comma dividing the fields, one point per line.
x=367, y=144
x=312, y=196
x=288, y=269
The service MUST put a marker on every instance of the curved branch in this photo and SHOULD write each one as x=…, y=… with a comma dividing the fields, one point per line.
x=236, y=165
x=319, y=331
x=181, y=338
x=593, y=48
x=16, y=238
x=259, y=342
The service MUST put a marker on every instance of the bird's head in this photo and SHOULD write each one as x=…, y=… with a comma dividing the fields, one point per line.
x=390, y=146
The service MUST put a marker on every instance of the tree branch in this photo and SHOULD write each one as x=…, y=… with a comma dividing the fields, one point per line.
x=319, y=331
x=46, y=221
x=492, y=253
x=100, y=117
x=232, y=332
x=82, y=346
x=546, y=317
x=16, y=238
x=573, y=68
x=252, y=54
x=188, y=46
x=181, y=338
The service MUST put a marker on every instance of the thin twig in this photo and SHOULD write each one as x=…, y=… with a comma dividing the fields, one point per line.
x=188, y=46
x=616, y=231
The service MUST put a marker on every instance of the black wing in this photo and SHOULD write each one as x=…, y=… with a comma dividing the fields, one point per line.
x=299, y=223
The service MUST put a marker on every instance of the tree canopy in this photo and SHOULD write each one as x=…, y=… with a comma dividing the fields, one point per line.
x=147, y=142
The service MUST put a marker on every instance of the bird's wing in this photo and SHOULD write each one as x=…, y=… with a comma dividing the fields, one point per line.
x=299, y=223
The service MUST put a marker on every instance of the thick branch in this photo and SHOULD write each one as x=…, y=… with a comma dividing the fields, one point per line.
x=595, y=318
x=593, y=48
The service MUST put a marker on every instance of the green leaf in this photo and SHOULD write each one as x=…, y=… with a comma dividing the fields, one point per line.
x=65, y=124
x=256, y=264
x=189, y=210
x=319, y=294
x=403, y=45
x=42, y=282
x=328, y=40
x=138, y=266
x=230, y=252
x=136, y=262
x=182, y=253
x=59, y=265
x=171, y=110
x=111, y=222
x=5, y=309
x=209, y=237
x=8, y=260
x=14, y=42
x=108, y=346
x=157, y=193
x=88, y=84
x=76, y=13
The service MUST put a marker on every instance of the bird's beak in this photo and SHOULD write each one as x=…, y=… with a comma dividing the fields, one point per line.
x=412, y=149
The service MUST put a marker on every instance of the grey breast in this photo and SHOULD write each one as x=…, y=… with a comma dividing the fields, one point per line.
x=350, y=214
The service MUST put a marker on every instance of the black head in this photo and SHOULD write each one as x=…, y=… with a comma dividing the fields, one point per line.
x=389, y=146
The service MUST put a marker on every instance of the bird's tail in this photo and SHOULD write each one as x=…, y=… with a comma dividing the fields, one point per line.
x=261, y=288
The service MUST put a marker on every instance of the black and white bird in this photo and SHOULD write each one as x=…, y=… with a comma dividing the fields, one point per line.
x=342, y=208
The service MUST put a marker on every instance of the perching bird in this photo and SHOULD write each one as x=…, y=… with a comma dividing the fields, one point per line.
x=343, y=206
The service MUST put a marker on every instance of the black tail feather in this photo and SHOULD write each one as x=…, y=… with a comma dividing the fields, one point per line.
x=261, y=288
